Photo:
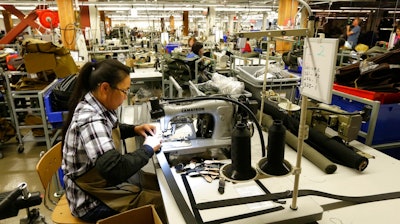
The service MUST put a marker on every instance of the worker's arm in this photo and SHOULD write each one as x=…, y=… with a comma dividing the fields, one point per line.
x=348, y=30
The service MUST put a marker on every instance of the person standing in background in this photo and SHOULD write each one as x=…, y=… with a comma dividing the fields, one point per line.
x=353, y=32
x=247, y=47
x=396, y=42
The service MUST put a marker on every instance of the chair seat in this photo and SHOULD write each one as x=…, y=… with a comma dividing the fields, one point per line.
x=62, y=213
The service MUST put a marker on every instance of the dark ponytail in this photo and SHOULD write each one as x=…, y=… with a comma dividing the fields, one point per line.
x=90, y=76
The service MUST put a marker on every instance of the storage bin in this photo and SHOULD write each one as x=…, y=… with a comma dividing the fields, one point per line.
x=382, y=97
x=170, y=47
x=285, y=87
x=387, y=121
x=55, y=118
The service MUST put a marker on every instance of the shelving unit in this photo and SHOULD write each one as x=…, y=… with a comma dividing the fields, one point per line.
x=32, y=105
x=4, y=106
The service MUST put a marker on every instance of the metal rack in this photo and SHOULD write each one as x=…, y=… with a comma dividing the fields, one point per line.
x=5, y=108
x=33, y=105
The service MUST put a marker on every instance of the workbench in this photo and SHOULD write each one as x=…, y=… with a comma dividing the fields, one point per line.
x=379, y=177
x=148, y=77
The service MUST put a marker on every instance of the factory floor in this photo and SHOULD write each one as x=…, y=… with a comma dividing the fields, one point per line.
x=16, y=168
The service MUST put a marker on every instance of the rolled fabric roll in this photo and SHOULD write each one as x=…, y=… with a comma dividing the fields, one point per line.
x=336, y=151
x=309, y=153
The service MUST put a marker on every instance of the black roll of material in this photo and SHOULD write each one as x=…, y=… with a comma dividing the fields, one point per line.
x=336, y=151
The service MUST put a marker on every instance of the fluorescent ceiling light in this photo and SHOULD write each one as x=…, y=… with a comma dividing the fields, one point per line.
x=342, y=17
x=176, y=16
x=341, y=11
x=170, y=9
x=371, y=8
x=242, y=10
x=108, y=8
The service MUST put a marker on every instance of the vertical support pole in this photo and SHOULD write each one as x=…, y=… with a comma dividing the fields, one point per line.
x=230, y=21
x=286, y=14
x=172, y=25
x=8, y=23
x=302, y=135
x=185, y=23
x=263, y=90
x=264, y=21
x=67, y=23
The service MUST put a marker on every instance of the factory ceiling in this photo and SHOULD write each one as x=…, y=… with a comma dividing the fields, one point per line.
x=321, y=8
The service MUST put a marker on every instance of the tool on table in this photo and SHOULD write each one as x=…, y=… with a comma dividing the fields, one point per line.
x=221, y=185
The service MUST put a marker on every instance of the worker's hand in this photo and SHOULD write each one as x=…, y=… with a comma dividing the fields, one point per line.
x=154, y=142
x=145, y=130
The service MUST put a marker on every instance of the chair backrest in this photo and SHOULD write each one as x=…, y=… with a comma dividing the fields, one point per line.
x=49, y=164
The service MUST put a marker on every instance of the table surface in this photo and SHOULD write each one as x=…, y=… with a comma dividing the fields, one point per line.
x=381, y=176
x=145, y=73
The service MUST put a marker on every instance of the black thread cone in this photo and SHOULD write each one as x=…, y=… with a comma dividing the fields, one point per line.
x=240, y=168
x=274, y=164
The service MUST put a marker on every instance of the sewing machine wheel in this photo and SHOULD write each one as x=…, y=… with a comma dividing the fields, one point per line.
x=205, y=126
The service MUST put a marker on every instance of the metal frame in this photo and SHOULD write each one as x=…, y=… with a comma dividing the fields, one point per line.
x=369, y=135
x=28, y=94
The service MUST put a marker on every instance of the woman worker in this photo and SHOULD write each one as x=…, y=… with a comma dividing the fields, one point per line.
x=100, y=181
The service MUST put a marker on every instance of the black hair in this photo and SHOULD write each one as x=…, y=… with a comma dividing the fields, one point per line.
x=91, y=75
x=197, y=46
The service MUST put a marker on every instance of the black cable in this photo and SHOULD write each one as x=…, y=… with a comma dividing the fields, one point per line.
x=252, y=115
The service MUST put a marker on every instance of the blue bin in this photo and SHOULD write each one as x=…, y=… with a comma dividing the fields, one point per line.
x=387, y=123
x=55, y=118
x=170, y=47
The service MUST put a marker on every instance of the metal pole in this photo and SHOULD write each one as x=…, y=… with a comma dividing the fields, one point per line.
x=303, y=133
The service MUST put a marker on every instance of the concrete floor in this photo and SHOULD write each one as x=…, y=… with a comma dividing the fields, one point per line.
x=16, y=168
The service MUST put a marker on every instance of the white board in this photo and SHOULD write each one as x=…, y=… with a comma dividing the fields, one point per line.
x=319, y=61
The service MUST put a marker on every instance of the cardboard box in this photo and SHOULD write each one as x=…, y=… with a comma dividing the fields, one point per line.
x=63, y=65
x=37, y=62
x=145, y=214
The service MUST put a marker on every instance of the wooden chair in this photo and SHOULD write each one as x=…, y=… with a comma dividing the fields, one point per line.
x=47, y=167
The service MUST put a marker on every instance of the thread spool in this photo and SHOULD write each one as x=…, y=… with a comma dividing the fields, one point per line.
x=240, y=169
x=275, y=164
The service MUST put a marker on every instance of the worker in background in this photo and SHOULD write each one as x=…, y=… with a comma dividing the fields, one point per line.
x=353, y=32
x=99, y=180
x=197, y=50
x=191, y=41
x=396, y=42
x=247, y=47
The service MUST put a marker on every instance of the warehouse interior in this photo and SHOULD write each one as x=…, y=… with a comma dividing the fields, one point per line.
x=274, y=111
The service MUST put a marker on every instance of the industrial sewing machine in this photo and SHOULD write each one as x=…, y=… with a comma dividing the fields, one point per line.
x=221, y=59
x=214, y=120
x=347, y=125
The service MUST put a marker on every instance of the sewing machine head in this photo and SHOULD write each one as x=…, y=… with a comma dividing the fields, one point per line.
x=214, y=118
x=222, y=59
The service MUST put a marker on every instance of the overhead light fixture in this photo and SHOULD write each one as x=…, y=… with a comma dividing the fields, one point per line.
x=134, y=12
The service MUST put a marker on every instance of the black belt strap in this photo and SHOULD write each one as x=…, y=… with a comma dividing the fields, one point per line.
x=180, y=200
x=258, y=182
x=247, y=215
x=223, y=220
x=192, y=200
x=288, y=194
